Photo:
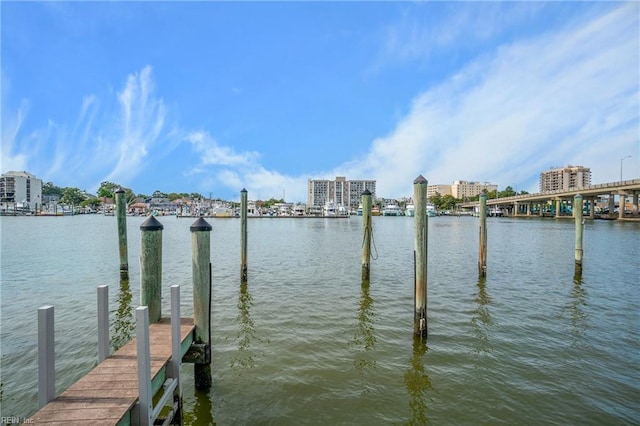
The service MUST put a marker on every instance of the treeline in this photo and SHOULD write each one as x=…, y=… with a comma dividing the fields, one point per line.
x=448, y=202
x=77, y=197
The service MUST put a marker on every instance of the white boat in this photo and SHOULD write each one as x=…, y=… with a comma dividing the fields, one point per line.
x=329, y=209
x=299, y=210
x=332, y=209
x=410, y=210
x=222, y=211
x=391, y=210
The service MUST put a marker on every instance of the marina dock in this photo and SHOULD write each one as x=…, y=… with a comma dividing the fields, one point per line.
x=108, y=393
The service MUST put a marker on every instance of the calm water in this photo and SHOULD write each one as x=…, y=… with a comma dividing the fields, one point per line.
x=305, y=343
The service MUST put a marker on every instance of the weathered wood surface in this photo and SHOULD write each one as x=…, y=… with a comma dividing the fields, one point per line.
x=106, y=394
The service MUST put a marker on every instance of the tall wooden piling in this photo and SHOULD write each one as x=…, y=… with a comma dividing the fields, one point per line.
x=243, y=235
x=201, y=269
x=482, y=255
x=151, y=267
x=421, y=230
x=121, y=213
x=366, y=241
x=577, y=212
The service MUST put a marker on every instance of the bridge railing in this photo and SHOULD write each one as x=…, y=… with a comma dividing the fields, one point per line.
x=625, y=184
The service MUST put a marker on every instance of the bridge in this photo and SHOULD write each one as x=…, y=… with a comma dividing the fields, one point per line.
x=557, y=203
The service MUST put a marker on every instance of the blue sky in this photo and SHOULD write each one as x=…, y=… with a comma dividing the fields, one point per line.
x=212, y=97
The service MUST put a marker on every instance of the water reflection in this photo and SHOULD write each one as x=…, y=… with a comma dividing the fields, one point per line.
x=202, y=412
x=481, y=319
x=576, y=308
x=365, y=334
x=244, y=357
x=417, y=382
x=124, y=324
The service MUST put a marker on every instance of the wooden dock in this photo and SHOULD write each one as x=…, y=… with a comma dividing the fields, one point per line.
x=109, y=392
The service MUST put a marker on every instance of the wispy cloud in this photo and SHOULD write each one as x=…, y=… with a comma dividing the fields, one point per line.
x=222, y=166
x=11, y=156
x=142, y=120
x=528, y=106
x=105, y=142
x=212, y=153
x=457, y=25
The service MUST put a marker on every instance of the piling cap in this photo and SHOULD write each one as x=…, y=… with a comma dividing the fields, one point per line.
x=200, y=225
x=420, y=180
x=243, y=190
x=366, y=192
x=151, y=224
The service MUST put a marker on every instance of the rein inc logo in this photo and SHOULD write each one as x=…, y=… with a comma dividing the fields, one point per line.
x=15, y=421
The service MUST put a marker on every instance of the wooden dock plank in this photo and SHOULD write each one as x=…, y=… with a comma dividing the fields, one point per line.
x=105, y=394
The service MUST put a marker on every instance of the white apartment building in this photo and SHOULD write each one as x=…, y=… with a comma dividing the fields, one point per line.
x=462, y=188
x=340, y=191
x=565, y=178
x=20, y=190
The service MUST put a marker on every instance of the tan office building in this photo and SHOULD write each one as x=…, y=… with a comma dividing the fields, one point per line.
x=462, y=188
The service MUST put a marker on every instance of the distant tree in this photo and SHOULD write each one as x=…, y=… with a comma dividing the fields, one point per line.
x=50, y=189
x=91, y=202
x=436, y=200
x=72, y=196
x=107, y=189
x=158, y=194
x=449, y=202
x=271, y=201
x=508, y=192
x=195, y=195
x=523, y=193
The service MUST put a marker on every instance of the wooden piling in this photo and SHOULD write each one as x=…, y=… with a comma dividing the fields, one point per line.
x=367, y=229
x=577, y=212
x=121, y=212
x=243, y=235
x=201, y=269
x=151, y=267
x=421, y=234
x=482, y=256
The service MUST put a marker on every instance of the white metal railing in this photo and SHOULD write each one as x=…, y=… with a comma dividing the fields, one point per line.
x=145, y=412
x=46, y=356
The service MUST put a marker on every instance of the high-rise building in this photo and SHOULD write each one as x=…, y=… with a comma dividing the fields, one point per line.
x=341, y=191
x=439, y=189
x=565, y=178
x=20, y=190
x=462, y=188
